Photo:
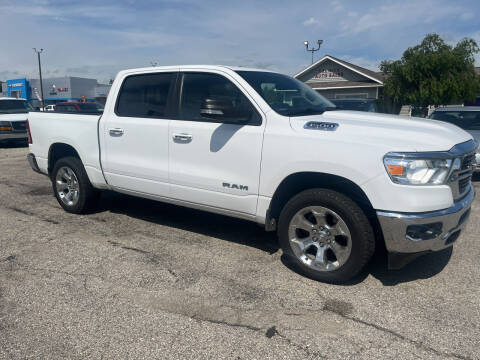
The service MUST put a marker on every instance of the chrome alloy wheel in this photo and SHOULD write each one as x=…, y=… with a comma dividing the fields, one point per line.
x=67, y=186
x=320, y=238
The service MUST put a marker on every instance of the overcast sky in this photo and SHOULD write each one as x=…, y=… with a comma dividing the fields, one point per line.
x=98, y=38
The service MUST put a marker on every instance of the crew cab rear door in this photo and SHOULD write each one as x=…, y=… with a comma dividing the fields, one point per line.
x=135, y=133
x=215, y=160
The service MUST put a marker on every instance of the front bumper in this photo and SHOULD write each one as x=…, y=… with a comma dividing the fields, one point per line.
x=13, y=135
x=428, y=231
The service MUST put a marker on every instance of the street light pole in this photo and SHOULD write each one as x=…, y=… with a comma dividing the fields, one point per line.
x=312, y=50
x=40, y=73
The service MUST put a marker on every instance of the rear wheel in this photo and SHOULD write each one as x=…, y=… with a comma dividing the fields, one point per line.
x=326, y=235
x=71, y=186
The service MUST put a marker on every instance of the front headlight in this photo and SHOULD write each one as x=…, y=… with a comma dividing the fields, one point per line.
x=5, y=126
x=415, y=170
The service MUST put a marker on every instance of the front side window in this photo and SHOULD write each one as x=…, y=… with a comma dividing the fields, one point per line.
x=14, y=107
x=286, y=95
x=467, y=120
x=213, y=98
x=145, y=95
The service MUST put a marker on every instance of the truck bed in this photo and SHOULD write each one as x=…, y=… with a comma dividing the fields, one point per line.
x=76, y=130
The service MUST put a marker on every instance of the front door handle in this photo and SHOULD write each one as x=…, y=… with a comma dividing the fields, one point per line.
x=182, y=137
x=117, y=132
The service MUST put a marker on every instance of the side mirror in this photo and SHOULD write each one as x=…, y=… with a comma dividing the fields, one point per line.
x=223, y=109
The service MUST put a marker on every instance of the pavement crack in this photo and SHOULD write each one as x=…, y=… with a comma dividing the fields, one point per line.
x=222, y=322
x=73, y=274
x=9, y=258
x=30, y=213
x=416, y=343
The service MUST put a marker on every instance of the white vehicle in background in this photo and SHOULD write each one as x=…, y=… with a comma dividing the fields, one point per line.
x=49, y=108
x=13, y=119
x=228, y=140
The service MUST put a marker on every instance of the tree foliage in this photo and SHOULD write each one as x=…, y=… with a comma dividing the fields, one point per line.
x=433, y=73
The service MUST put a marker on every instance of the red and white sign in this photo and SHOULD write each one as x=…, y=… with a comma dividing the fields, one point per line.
x=35, y=92
x=329, y=74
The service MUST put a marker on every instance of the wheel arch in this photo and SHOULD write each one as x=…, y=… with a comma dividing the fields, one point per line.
x=59, y=150
x=300, y=181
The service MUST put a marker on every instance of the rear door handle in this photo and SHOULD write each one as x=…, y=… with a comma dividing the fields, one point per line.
x=117, y=132
x=182, y=137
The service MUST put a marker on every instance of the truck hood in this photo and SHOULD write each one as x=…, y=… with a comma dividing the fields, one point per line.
x=397, y=133
x=13, y=117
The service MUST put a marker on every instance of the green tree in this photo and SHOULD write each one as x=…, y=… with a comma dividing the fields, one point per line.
x=433, y=73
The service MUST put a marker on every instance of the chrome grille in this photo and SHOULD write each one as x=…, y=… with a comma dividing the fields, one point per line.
x=468, y=161
x=463, y=184
x=460, y=180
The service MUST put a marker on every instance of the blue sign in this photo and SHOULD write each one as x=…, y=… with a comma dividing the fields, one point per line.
x=18, y=88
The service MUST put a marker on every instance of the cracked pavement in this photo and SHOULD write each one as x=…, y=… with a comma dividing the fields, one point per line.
x=139, y=279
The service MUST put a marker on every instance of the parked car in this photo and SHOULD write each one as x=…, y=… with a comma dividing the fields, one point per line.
x=465, y=117
x=79, y=107
x=50, y=107
x=13, y=119
x=222, y=139
x=369, y=105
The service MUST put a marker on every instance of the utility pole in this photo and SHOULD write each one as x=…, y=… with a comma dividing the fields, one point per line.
x=312, y=50
x=40, y=73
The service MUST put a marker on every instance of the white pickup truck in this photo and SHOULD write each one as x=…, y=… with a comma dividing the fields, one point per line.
x=13, y=119
x=263, y=146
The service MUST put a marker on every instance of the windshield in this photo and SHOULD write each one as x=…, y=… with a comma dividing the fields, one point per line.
x=467, y=120
x=286, y=95
x=14, y=107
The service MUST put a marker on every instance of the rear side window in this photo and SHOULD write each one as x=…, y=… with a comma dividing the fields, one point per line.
x=213, y=98
x=145, y=95
x=467, y=120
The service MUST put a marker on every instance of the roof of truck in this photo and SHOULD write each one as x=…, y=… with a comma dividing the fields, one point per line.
x=182, y=67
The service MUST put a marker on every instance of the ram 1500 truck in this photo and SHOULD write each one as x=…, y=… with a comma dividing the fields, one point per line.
x=263, y=146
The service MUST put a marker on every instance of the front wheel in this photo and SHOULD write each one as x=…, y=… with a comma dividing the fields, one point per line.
x=326, y=235
x=71, y=186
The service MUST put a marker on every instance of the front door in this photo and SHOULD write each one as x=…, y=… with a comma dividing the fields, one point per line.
x=135, y=156
x=215, y=156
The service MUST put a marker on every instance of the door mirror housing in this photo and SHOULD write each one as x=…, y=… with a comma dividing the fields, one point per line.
x=223, y=110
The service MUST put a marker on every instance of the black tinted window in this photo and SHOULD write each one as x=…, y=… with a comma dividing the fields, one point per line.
x=467, y=120
x=145, y=95
x=214, y=98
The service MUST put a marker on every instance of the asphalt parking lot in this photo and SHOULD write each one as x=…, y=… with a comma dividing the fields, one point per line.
x=145, y=280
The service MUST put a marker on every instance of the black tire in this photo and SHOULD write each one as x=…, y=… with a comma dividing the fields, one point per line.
x=87, y=194
x=362, y=235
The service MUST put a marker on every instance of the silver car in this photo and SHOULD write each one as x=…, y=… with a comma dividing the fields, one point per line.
x=466, y=117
